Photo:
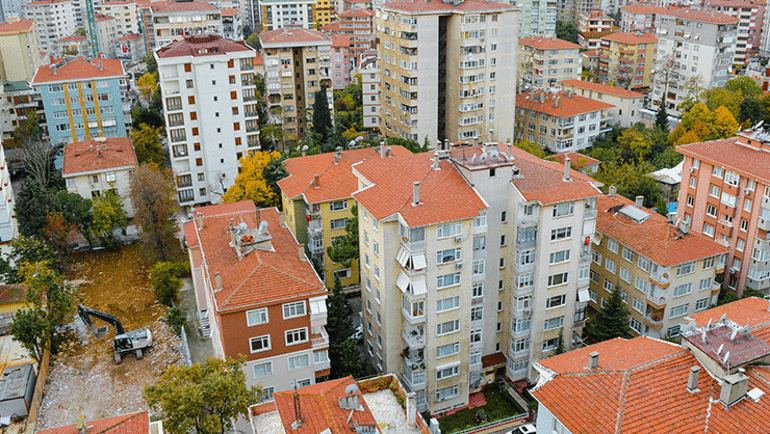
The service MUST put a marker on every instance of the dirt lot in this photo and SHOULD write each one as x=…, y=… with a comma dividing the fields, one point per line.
x=83, y=377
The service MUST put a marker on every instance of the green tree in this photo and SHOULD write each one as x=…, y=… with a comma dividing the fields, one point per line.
x=567, y=30
x=80, y=31
x=203, y=398
x=322, y=118
x=726, y=296
x=107, y=215
x=722, y=124
x=661, y=117
x=560, y=348
x=411, y=145
x=165, y=282
x=154, y=199
x=28, y=129
x=720, y=96
x=274, y=172
x=26, y=250
x=253, y=41
x=147, y=84
x=751, y=292
x=33, y=204
x=752, y=111
x=152, y=65
x=744, y=85
x=344, y=357
x=30, y=329
x=344, y=249
x=527, y=146
x=634, y=141
x=76, y=210
x=612, y=320
x=146, y=140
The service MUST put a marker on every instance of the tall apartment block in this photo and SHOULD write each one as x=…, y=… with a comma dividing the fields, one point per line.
x=537, y=18
x=369, y=68
x=449, y=69
x=84, y=99
x=274, y=14
x=8, y=225
x=701, y=43
x=19, y=50
x=626, y=59
x=210, y=103
x=297, y=65
x=341, y=60
x=751, y=20
x=665, y=272
x=591, y=26
x=472, y=259
x=359, y=25
x=168, y=21
x=545, y=61
x=725, y=195
x=126, y=15
x=55, y=20
x=640, y=17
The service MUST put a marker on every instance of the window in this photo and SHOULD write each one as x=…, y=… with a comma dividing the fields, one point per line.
x=263, y=369
x=628, y=254
x=267, y=393
x=504, y=216
x=478, y=267
x=446, y=256
x=584, y=272
x=256, y=317
x=596, y=257
x=477, y=313
x=554, y=323
x=480, y=220
x=339, y=223
x=593, y=296
x=342, y=274
x=448, y=280
x=559, y=257
x=680, y=310
x=641, y=284
x=561, y=233
x=608, y=285
x=714, y=191
x=701, y=304
x=744, y=226
x=556, y=301
x=610, y=265
x=711, y=210
x=291, y=310
x=594, y=277
x=685, y=269
x=612, y=245
x=638, y=305
x=447, y=327
x=635, y=325
x=446, y=304
x=260, y=343
x=449, y=230
x=522, y=325
x=693, y=182
x=625, y=275
x=477, y=290
x=563, y=210
x=476, y=335
x=747, y=205
x=447, y=350
x=521, y=345
x=296, y=336
x=447, y=393
x=524, y=280
x=338, y=205
x=558, y=279
x=709, y=262
x=717, y=171
x=299, y=362
x=740, y=245
x=525, y=257
x=443, y=372
x=682, y=290
x=550, y=344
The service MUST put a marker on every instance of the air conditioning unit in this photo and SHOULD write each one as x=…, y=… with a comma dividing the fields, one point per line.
x=692, y=169
x=459, y=266
x=746, y=191
x=458, y=239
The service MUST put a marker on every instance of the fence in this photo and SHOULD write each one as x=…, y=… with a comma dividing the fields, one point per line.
x=186, y=348
x=498, y=425
x=37, y=397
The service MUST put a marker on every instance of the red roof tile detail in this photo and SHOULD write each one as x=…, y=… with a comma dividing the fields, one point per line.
x=340, y=40
x=335, y=182
x=262, y=276
x=437, y=6
x=72, y=38
x=750, y=310
x=577, y=160
x=79, y=69
x=705, y=16
x=566, y=107
x=173, y=6
x=444, y=194
x=320, y=404
x=614, y=355
x=332, y=28
x=229, y=12
x=102, y=17
x=731, y=155
x=490, y=360
x=544, y=43
x=292, y=35
x=631, y=38
x=655, y=238
x=134, y=423
x=46, y=2
x=16, y=26
x=352, y=13
x=202, y=45
x=89, y=156
x=128, y=37
x=602, y=88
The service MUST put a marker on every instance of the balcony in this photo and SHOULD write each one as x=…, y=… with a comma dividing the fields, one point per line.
x=314, y=228
x=654, y=321
x=521, y=311
x=522, y=292
x=413, y=379
x=763, y=222
x=320, y=340
x=413, y=316
x=657, y=298
x=414, y=358
x=186, y=196
x=414, y=337
x=661, y=276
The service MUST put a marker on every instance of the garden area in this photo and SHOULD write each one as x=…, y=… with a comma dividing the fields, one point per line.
x=500, y=405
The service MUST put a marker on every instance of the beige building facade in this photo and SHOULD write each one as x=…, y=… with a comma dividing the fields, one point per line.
x=19, y=50
x=545, y=61
x=626, y=60
x=627, y=104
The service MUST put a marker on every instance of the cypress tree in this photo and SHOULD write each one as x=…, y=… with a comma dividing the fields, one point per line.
x=612, y=320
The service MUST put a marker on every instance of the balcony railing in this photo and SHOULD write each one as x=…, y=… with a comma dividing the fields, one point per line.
x=320, y=339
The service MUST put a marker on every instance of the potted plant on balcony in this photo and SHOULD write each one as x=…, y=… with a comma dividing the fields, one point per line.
x=405, y=353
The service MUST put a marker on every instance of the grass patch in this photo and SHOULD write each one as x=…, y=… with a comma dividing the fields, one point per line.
x=500, y=405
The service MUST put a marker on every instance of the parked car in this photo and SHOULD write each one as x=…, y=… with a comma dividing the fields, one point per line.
x=524, y=429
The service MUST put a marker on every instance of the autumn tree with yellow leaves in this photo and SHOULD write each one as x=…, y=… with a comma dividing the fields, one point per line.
x=252, y=184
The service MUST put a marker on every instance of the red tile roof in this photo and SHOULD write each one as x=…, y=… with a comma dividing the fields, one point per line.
x=229, y=12
x=79, y=69
x=445, y=196
x=491, y=360
x=173, y=6
x=731, y=155
x=134, y=423
x=261, y=276
x=332, y=28
x=16, y=26
x=686, y=13
x=544, y=43
x=577, y=160
x=72, y=38
x=90, y=156
x=128, y=37
x=655, y=238
x=631, y=38
x=202, y=45
x=102, y=17
x=335, y=182
x=320, y=404
x=640, y=387
x=617, y=91
x=351, y=13
x=46, y=2
x=258, y=59
x=116, y=3
x=641, y=8
x=417, y=6
x=293, y=35
x=566, y=107
x=339, y=40
x=750, y=310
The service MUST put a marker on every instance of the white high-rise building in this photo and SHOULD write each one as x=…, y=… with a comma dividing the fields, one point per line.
x=209, y=99
x=55, y=19
x=9, y=228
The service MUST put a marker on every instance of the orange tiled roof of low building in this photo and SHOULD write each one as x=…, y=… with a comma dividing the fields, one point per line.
x=333, y=27
x=577, y=159
x=128, y=37
x=261, y=276
x=619, y=91
x=631, y=38
x=174, y=6
x=229, y=12
x=430, y=6
x=320, y=404
x=78, y=69
x=335, y=182
x=546, y=43
x=565, y=107
x=72, y=38
x=134, y=423
x=750, y=310
x=655, y=238
x=15, y=26
x=202, y=45
x=350, y=13
x=90, y=155
x=641, y=8
x=731, y=155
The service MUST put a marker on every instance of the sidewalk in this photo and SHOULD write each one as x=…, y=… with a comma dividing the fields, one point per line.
x=200, y=348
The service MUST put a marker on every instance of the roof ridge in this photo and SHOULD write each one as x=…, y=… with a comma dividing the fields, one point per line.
x=240, y=286
x=319, y=176
x=635, y=368
x=411, y=195
x=622, y=404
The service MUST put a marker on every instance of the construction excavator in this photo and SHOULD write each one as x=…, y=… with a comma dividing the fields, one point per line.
x=125, y=342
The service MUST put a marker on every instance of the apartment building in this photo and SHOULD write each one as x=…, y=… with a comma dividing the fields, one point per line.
x=168, y=21
x=699, y=43
x=55, y=20
x=341, y=61
x=627, y=105
x=359, y=25
x=258, y=296
x=210, y=103
x=475, y=280
x=106, y=34
x=275, y=14
x=75, y=45
x=84, y=99
x=369, y=68
x=560, y=120
x=544, y=61
x=19, y=50
x=325, y=12
x=317, y=199
x=725, y=195
x=9, y=228
x=751, y=19
x=468, y=93
x=664, y=272
x=127, y=17
x=592, y=25
x=297, y=65
x=17, y=100
x=626, y=59
x=93, y=167
x=130, y=48
x=536, y=18
x=640, y=17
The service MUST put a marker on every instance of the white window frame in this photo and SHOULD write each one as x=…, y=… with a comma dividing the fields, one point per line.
x=268, y=370
x=298, y=332
x=263, y=337
x=289, y=362
x=293, y=306
x=262, y=311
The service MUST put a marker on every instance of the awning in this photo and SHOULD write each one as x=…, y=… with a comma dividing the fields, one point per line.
x=317, y=307
x=403, y=256
x=418, y=261
x=403, y=282
x=419, y=286
x=583, y=295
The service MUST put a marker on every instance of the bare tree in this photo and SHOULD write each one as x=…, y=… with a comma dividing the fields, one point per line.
x=38, y=156
x=663, y=73
x=153, y=196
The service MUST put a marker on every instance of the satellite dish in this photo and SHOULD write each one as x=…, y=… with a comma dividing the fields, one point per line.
x=710, y=319
x=703, y=337
x=733, y=334
x=724, y=316
x=242, y=227
x=351, y=389
x=727, y=357
x=721, y=347
x=473, y=159
x=262, y=228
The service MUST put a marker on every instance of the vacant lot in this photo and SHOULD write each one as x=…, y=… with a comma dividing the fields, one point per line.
x=83, y=377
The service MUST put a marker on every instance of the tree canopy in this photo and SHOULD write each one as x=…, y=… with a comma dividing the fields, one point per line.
x=322, y=118
x=147, y=144
x=612, y=319
x=344, y=357
x=252, y=184
x=344, y=249
x=154, y=198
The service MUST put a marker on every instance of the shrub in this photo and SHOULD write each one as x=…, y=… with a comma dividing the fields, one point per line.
x=165, y=283
x=176, y=320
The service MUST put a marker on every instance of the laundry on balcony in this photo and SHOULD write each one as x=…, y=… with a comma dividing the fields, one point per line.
x=412, y=286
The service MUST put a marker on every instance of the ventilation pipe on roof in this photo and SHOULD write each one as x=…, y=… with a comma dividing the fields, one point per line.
x=302, y=256
x=639, y=201
x=416, y=194
x=613, y=191
x=200, y=221
x=734, y=387
x=684, y=227
x=316, y=179
x=593, y=360
x=101, y=66
x=338, y=155
x=446, y=144
x=692, y=381
x=510, y=149
x=218, y=282
x=567, y=167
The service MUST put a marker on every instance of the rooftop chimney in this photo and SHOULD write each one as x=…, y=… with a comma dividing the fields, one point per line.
x=639, y=201
x=613, y=191
x=692, y=381
x=101, y=66
x=446, y=144
x=684, y=227
x=510, y=149
x=200, y=221
x=593, y=360
x=302, y=256
x=338, y=155
x=316, y=180
x=218, y=282
x=734, y=387
x=567, y=166
x=416, y=194
x=382, y=149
